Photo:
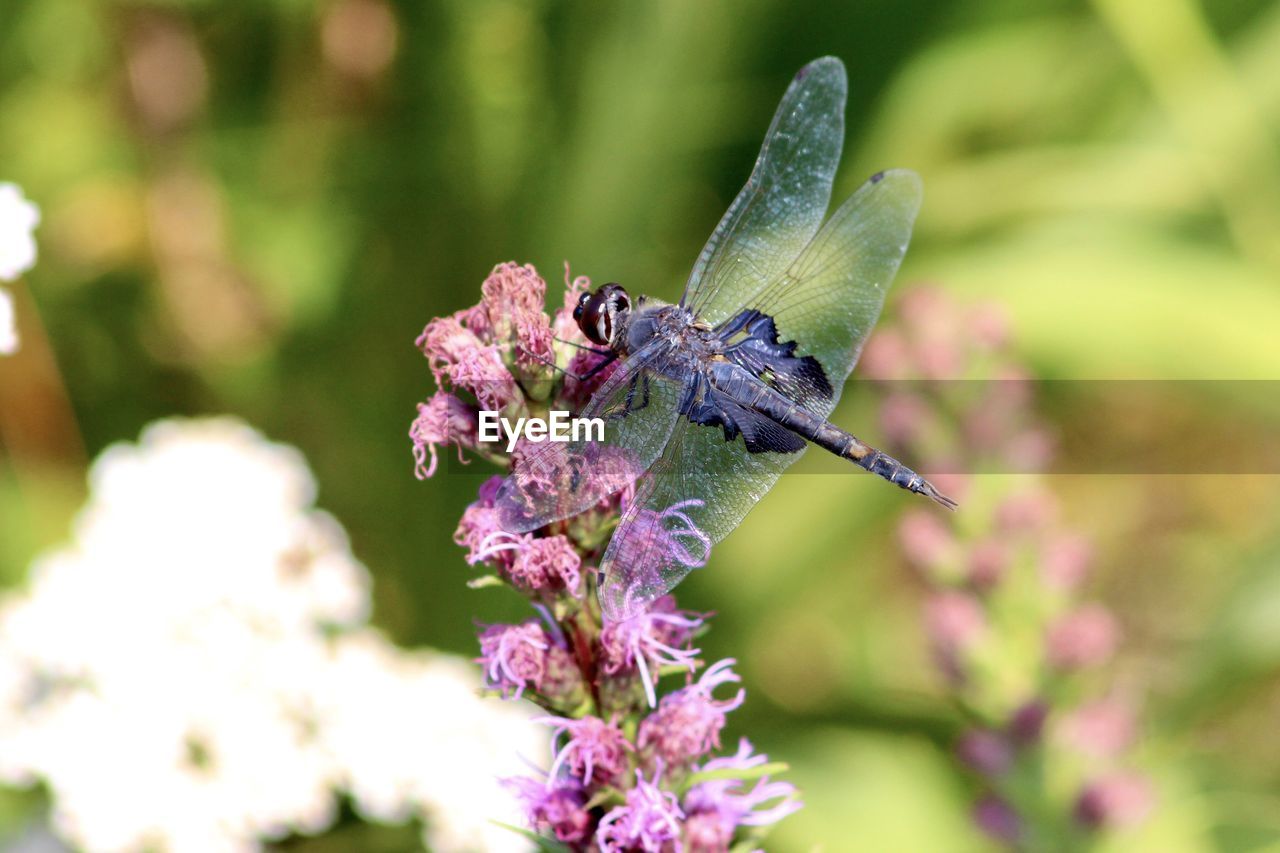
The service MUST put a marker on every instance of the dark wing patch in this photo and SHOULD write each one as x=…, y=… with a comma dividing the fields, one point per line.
x=751, y=339
x=708, y=407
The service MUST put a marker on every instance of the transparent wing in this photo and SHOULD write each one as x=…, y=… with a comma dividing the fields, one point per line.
x=555, y=480
x=690, y=499
x=830, y=297
x=784, y=200
x=703, y=486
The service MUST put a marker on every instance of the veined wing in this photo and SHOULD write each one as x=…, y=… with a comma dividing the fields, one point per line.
x=694, y=496
x=556, y=480
x=830, y=297
x=784, y=200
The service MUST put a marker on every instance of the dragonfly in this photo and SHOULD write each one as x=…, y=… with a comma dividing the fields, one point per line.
x=713, y=397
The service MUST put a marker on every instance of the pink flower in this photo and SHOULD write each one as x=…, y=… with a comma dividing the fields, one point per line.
x=650, y=641
x=554, y=806
x=1083, y=638
x=594, y=749
x=459, y=359
x=479, y=524
x=531, y=564
x=444, y=419
x=688, y=722
x=1122, y=799
x=650, y=821
x=715, y=808
x=516, y=657
x=513, y=298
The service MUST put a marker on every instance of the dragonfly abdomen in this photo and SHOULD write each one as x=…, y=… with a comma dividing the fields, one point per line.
x=754, y=394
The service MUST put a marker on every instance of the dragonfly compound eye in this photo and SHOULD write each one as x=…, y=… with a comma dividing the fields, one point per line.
x=594, y=318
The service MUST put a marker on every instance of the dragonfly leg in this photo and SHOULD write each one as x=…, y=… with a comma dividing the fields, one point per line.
x=610, y=359
x=596, y=350
x=641, y=381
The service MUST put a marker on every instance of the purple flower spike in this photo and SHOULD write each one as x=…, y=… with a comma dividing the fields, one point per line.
x=608, y=787
x=688, y=722
x=650, y=821
x=594, y=750
x=650, y=640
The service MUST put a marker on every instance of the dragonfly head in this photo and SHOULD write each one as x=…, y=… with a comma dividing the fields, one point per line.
x=602, y=315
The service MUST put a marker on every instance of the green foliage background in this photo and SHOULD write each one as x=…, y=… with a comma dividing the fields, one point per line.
x=1108, y=172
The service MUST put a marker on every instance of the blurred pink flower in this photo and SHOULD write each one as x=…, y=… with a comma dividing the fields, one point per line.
x=1026, y=724
x=955, y=621
x=1085, y=637
x=1105, y=728
x=989, y=559
x=985, y=751
x=997, y=819
x=927, y=540
x=1025, y=512
x=1064, y=561
x=1117, y=800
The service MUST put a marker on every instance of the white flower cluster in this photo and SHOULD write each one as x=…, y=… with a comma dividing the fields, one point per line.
x=18, y=219
x=195, y=672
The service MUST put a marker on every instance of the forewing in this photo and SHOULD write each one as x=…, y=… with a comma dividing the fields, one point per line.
x=830, y=297
x=556, y=480
x=784, y=200
x=690, y=499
